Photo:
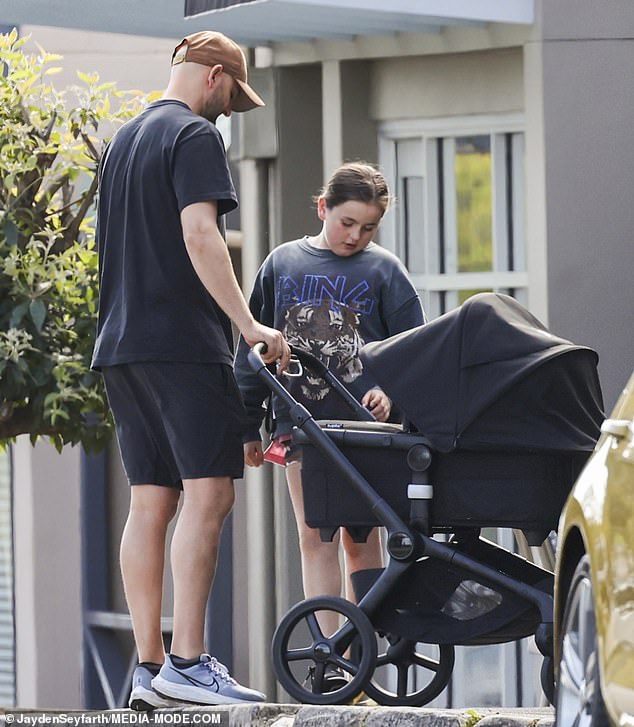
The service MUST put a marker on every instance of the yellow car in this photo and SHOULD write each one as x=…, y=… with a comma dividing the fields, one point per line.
x=594, y=583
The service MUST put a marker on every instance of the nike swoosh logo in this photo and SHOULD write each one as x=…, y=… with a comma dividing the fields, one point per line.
x=213, y=684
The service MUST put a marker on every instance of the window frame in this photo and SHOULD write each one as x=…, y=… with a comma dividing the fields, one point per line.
x=439, y=290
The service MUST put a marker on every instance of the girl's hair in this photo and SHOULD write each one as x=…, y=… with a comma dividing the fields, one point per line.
x=359, y=182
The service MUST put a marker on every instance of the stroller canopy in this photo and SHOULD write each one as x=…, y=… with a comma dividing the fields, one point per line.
x=490, y=375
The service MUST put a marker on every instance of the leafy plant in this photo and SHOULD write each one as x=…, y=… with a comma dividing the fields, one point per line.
x=473, y=718
x=50, y=145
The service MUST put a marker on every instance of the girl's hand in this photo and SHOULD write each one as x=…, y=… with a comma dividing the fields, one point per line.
x=253, y=454
x=378, y=403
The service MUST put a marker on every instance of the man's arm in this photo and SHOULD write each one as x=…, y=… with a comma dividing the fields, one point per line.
x=210, y=258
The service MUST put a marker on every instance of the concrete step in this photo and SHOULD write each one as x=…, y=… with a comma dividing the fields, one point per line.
x=295, y=715
x=286, y=715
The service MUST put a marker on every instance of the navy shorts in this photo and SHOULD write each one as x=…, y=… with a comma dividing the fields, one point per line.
x=176, y=421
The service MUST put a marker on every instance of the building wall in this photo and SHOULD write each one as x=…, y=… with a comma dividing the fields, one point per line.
x=588, y=65
x=447, y=85
x=118, y=502
x=359, y=133
x=130, y=61
x=47, y=553
x=297, y=172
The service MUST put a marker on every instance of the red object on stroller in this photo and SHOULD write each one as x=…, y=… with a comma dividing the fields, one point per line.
x=277, y=449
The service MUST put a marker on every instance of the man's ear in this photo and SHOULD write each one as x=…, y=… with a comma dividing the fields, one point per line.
x=214, y=73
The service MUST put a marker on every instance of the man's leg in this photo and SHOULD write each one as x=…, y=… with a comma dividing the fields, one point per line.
x=194, y=552
x=142, y=558
x=188, y=673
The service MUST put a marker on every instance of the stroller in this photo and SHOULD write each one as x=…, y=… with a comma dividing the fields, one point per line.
x=500, y=417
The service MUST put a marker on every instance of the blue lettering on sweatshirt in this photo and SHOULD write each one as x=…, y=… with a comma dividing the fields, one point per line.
x=314, y=289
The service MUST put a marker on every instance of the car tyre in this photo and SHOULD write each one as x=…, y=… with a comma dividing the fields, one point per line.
x=579, y=700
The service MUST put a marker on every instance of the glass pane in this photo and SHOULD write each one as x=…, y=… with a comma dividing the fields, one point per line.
x=472, y=168
x=464, y=294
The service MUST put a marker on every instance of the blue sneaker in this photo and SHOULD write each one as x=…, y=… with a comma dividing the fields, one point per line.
x=142, y=697
x=207, y=682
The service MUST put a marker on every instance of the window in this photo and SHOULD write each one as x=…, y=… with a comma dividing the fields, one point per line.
x=459, y=218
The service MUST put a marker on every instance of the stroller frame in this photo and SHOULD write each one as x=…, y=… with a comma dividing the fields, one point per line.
x=407, y=544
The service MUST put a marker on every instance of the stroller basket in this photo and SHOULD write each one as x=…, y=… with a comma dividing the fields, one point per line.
x=437, y=603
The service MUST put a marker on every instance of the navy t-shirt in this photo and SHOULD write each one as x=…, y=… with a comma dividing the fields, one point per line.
x=152, y=305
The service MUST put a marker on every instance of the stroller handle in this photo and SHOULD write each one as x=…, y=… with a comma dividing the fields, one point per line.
x=255, y=356
x=311, y=362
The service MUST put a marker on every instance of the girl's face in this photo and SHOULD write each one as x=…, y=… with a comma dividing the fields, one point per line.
x=348, y=227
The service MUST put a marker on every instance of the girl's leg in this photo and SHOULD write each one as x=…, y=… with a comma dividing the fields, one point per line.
x=361, y=556
x=321, y=572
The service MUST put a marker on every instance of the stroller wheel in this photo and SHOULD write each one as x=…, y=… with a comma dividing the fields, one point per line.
x=304, y=657
x=409, y=673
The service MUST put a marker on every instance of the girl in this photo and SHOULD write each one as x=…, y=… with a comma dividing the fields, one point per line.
x=329, y=294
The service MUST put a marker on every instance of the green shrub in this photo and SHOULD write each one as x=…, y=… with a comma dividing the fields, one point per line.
x=50, y=145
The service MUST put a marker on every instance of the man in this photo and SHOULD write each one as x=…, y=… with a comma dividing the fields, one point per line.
x=164, y=341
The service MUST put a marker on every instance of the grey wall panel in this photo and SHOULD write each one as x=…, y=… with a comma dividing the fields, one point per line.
x=447, y=85
x=298, y=172
x=588, y=111
x=359, y=129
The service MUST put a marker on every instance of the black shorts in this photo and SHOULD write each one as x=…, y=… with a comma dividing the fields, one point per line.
x=176, y=421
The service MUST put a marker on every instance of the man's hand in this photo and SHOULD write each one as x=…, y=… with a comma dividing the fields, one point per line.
x=276, y=347
x=253, y=454
x=378, y=403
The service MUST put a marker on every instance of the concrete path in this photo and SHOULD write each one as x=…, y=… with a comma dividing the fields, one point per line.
x=293, y=715
x=284, y=715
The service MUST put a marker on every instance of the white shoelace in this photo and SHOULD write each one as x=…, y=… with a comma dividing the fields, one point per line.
x=218, y=669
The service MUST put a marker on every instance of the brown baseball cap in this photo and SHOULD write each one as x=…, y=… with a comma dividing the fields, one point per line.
x=209, y=48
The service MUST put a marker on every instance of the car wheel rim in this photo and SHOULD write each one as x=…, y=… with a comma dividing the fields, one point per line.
x=576, y=687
